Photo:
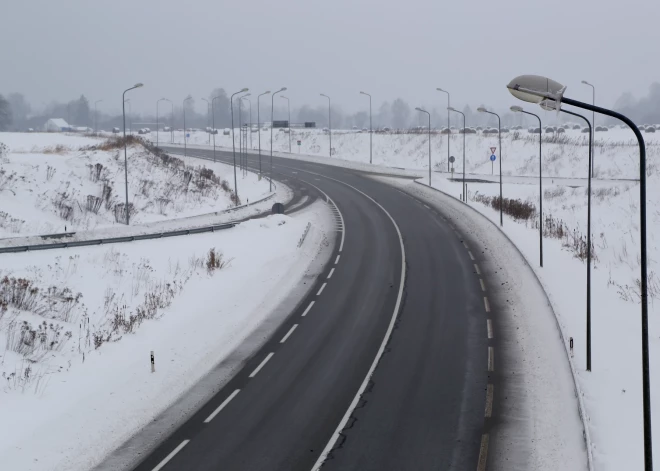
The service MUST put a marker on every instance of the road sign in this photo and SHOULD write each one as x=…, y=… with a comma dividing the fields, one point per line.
x=492, y=158
x=299, y=142
x=492, y=150
x=452, y=159
x=188, y=135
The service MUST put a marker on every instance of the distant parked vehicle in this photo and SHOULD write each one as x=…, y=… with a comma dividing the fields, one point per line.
x=254, y=129
x=324, y=129
x=115, y=130
x=386, y=129
x=143, y=131
x=601, y=128
x=226, y=132
x=167, y=129
x=355, y=128
x=213, y=131
x=445, y=131
x=365, y=130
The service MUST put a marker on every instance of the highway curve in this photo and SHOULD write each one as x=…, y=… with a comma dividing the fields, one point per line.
x=401, y=288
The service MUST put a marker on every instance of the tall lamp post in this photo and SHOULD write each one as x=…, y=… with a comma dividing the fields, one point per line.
x=456, y=111
x=96, y=116
x=288, y=104
x=518, y=109
x=208, y=109
x=250, y=103
x=535, y=89
x=593, y=122
x=329, y=124
x=448, y=127
x=259, y=127
x=243, y=150
x=429, y=114
x=213, y=117
x=157, y=103
x=233, y=140
x=130, y=113
x=272, y=107
x=123, y=110
x=185, y=141
x=371, y=130
x=499, y=136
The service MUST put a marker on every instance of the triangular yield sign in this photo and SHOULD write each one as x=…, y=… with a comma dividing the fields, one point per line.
x=492, y=150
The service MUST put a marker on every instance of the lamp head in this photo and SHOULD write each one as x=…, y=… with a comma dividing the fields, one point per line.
x=283, y=89
x=481, y=109
x=516, y=109
x=440, y=90
x=535, y=88
x=138, y=85
x=419, y=109
x=585, y=82
x=266, y=92
x=244, y=90
x=451, y=108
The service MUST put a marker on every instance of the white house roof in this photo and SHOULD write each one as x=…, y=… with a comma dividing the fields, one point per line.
x=59, y=122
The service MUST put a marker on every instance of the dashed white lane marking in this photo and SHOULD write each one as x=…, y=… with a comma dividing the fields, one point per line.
x=308, y=308
x=321, y=290
x=489, y=327
x=263, y=363
x=483, y=287
x=171, y=455
x=476, y=267
x=471, y=256
x=337, y=259
x=486, y=304
x=483, y=453
x=491, y=359
x=465, y=245
x=489, y=401
x=222, y=406
x=427, y=207
x=289, y=333
x=330, y=274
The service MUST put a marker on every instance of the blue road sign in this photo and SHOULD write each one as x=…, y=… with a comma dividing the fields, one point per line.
x=492, y=158
x=188, y=135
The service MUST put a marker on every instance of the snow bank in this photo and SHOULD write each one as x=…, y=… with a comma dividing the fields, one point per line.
x=86, y=388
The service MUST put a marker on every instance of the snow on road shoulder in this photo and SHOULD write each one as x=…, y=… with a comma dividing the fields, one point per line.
x=88, y=387
x=537, y=425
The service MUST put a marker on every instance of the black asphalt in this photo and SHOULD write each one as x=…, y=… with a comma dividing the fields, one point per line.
x=424, y=407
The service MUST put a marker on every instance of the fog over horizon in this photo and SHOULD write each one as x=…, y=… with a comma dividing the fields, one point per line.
x=59, y=52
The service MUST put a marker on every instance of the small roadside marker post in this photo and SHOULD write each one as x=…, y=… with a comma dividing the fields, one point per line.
x=299, y=143
x=571, y=345
x=153, y=364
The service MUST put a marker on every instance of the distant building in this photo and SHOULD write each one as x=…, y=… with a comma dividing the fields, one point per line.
x=56, y=125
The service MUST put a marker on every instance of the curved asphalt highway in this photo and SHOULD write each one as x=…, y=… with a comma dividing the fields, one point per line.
x=424, y=406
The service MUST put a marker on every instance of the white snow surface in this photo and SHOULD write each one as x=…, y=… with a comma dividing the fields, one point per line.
x=69, y=403
x=47, y=189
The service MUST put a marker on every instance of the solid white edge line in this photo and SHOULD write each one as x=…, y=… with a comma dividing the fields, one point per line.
x=483, y=287
x=476, y=267
x=337, y=259
x=470, y=254
x=486, y=304
x=289, y=333
x=381, y=350
x=222, y=406
x=308, y=308
x=491, y=359
x=330, y=274
x=321, y=290
x=171, y=455
x=343, y=226
x=489, y=328
x=261, y=365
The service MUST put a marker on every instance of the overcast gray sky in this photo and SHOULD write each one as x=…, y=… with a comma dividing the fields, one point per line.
x=58, y=50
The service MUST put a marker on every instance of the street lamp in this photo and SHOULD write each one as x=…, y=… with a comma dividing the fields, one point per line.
x=259, y=127
x=329, y=123
x=250, y=102
x=184, y=124
x=172, y=123
x=530, y=88
x=499, y=135
x=588, y=236
x=123, y=109
x=593, y=121
x=448, y=127
x=213, y=130
x=518, y=109
x=208, y=106
x=157, y=103
x=288, y=103
x=233, y=141
x=96, y=116
x=449, y=108
x=130, y=113
x=272, y=106
x=242, y=148
x=424, y=111
x=371, y=131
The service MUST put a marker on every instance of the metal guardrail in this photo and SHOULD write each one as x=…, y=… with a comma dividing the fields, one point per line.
x=115, y=240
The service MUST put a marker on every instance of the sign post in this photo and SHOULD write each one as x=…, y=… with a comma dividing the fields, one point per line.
x=492, y=164
x=451, y=161
x=299, y=143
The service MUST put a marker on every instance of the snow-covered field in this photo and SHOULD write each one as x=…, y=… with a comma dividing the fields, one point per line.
x=52, y=183
x=79, y=324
